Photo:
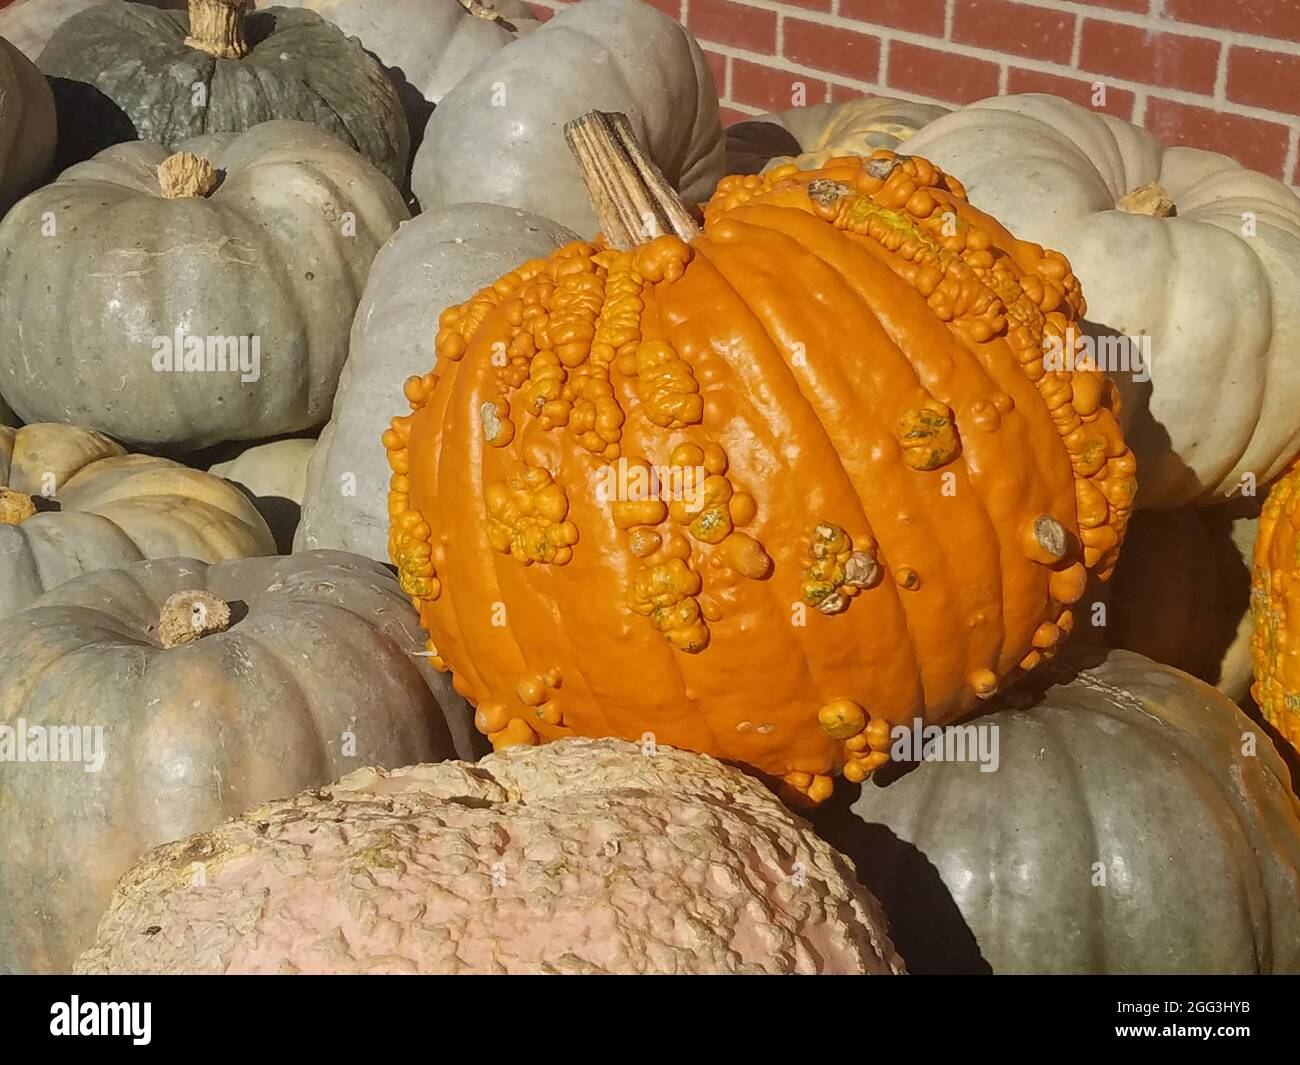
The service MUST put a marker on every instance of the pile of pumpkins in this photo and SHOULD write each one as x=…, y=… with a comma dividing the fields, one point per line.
x=314, y=377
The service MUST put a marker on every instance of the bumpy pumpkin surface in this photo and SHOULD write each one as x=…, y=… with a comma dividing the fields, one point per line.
x=264, y=236
x=1183, y=246
x=27, y=129
x=891, y=503
x=437, y=259
x=507, y=114
x=1137, y=823
x=810, y=137
x=313, y=674
x=112, y=508
x=1275, y=607
x=124, y=72
x=582, y=857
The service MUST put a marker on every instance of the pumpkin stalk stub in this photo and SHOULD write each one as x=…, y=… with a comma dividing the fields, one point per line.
x=217, y=27
x=15, y=507
x=632, y=199
x=190, y=615
x=1151, y=200
x=186, y=175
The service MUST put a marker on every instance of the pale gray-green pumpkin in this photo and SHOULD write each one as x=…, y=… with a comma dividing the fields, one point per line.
x=318, y=673
x=1137, y=822
x=73, y=501
x=435, y=261
x=132, y=72
x=100, y=270
x=498, y=136
x=276, y=475
x=27, y=125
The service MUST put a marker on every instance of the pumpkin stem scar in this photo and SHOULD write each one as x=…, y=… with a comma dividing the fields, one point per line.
x=217, y=27
x=1150, y=200
x=15, y=507
x=190, y=615
x=186, y=175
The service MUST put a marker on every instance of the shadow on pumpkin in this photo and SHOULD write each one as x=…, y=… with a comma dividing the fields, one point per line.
x=98, y=121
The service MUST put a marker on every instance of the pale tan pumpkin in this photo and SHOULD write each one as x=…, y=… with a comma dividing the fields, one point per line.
x=73, y=501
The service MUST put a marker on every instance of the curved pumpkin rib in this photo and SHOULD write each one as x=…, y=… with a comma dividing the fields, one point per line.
x=776, y=313
x=930, y=623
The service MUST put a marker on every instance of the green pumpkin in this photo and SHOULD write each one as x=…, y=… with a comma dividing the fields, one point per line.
x=123, y=72
x=1137, y=822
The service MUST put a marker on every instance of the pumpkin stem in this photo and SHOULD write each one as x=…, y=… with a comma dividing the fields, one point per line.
x=15, y=507
x=482, y=10
x=217, y=27
x=1149, y=200
x=633, y=201
x=191, y=615
x=185, y=174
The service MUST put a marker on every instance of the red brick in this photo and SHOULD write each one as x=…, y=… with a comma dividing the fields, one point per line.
x=671, y=8
x=930, y=72
x=1168, y=59
x=735, y=24
x=1119, y=102
x=730, y=116
x=811, y=5
x=1264, y=79
x=1016, y=29
x=919, y=16
x=755, y=85
x=1268, y=18
x=541, y=12
x=718, y=64
x=1139, y=6
x=855, y=55
x=1257, y=144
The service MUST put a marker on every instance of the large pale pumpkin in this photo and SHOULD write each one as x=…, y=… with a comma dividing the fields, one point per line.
x=1181, y=593
x=581, y=857
x=131, y=72
x=216, y=687
x=438, y=259
x=883, y=505
x=112, y=508
x=1180, y=245
x=497, y=137
x=1137, y=823
x=1275, y=607
x=263, y=238
x=810, y=137
x=27, y=129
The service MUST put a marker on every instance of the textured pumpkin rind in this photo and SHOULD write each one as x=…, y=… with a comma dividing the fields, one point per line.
x=583, y=857
x=439, y=258
x=612, y=55
x=610, y=355
x=122, y=72
x=115, y=509
x=1215, y=287
x=1275, y=608
x=27, y=125
x=809, y=137
x=272, y=254
x=325, y=647
x=1110, y=766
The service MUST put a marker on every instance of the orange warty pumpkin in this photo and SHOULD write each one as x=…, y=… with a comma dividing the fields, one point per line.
x=1275, y=608
x=882, y=506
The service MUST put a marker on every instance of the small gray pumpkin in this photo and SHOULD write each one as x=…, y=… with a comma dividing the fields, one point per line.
x=498, y=136
x=216, y=687
x=27, y=129
x=114, y=509
x=435, y=261
x=131, y=72
x=1136, y=822
x=266, y=245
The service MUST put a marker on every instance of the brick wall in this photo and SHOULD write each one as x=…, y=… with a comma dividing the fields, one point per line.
x=1219, y=74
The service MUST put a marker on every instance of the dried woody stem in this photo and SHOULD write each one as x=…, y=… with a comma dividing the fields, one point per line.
x=632, y=199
